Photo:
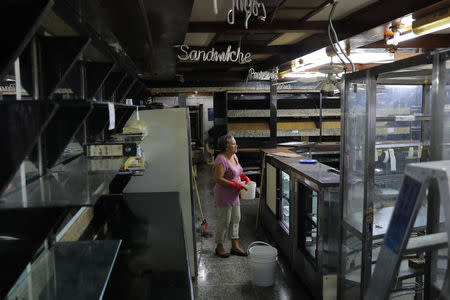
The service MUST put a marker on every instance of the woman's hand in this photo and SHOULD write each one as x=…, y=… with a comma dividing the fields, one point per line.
x=219, y=172
x=244, y=178
x=237, y=185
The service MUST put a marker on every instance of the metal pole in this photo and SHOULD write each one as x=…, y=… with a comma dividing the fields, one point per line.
x=426, y=111
x=369, y=169
x=343, y=168
x=37, y=96
x=34, y=69
x=436, y=138
x=23, y=178
x=273, y=113
x=83, y=91
x=320, y=117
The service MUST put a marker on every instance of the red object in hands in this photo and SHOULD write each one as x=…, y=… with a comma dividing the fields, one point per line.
x=244, y=178
x=237, y=185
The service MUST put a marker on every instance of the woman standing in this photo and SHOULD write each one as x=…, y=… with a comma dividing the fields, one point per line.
x=227, y=176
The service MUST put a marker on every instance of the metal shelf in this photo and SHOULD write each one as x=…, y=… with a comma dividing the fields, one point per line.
x=381, y=218
x=22, y=122
x=79, y=183
x=400, y=145
x=69, y=270
x=404, y=272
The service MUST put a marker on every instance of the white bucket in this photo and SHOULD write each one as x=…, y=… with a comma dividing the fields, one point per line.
x=250, y=192
x=263, y=260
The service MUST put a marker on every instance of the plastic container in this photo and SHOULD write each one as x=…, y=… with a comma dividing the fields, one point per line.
x=250, y=192
x=263, y=259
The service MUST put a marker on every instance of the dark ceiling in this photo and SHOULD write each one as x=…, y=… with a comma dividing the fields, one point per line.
x=148, y=30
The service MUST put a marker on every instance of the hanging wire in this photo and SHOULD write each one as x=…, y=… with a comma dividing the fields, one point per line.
x=331, y=40
x=331, y=29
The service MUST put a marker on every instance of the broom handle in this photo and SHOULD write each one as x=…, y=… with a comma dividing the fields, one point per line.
x=198, y=197
x=261, y=188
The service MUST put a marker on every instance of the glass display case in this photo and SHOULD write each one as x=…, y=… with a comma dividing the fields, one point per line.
x=386, y=125
x=300, y=213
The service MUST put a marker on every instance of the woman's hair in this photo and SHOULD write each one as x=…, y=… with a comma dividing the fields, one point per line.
x=223, y=141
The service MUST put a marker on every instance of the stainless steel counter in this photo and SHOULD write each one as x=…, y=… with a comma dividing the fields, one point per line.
x=318, y=173
x=153, y=261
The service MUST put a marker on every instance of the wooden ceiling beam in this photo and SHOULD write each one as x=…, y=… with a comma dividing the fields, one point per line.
x=431, y=41
x=274, y=27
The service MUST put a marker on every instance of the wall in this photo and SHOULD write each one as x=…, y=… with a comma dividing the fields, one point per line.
x=207, y=102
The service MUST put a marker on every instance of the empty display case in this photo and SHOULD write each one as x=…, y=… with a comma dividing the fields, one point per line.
x=393, y=115
x=300, y=213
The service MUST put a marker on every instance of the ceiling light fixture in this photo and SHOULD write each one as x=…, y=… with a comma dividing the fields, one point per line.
x=436, y=21
x=331, y=85
x=216, y=11
x=398, y=38
x=433, y=22
x=303, y=75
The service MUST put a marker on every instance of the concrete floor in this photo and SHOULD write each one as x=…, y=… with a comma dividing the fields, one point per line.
x=231, y=278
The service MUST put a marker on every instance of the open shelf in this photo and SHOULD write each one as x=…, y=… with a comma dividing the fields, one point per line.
x=23, y=122
x=79, y=183
x=381, y=218
x=67, y=120
x=69, y=270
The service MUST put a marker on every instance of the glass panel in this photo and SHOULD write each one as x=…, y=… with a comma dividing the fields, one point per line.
x=72, y=270
x=354, y=148
x=271, y=188
x=285, y=212
x=351, y=264
x=31, y=173
x=71, y=151
x=285, y=179
x=402, y=130
x=308, y=231
x=79, y=183
x=439, y=271
x=285, y=192
x=446, y=147
x=396, y=107
x=398, y=138
x=314, y=206
x=311, y=238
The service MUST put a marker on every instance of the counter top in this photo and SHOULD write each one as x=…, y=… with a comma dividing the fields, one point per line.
x=318, y=173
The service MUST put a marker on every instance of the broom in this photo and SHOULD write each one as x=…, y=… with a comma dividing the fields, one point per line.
x=204, y=222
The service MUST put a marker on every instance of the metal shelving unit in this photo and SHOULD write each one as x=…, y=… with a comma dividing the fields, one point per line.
x=68, y=70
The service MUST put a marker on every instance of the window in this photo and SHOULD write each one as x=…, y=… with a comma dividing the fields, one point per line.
x=308, y=216
x=284, y=203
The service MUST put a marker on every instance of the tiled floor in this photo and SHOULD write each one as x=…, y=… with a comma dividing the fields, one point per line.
x=231, y=278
